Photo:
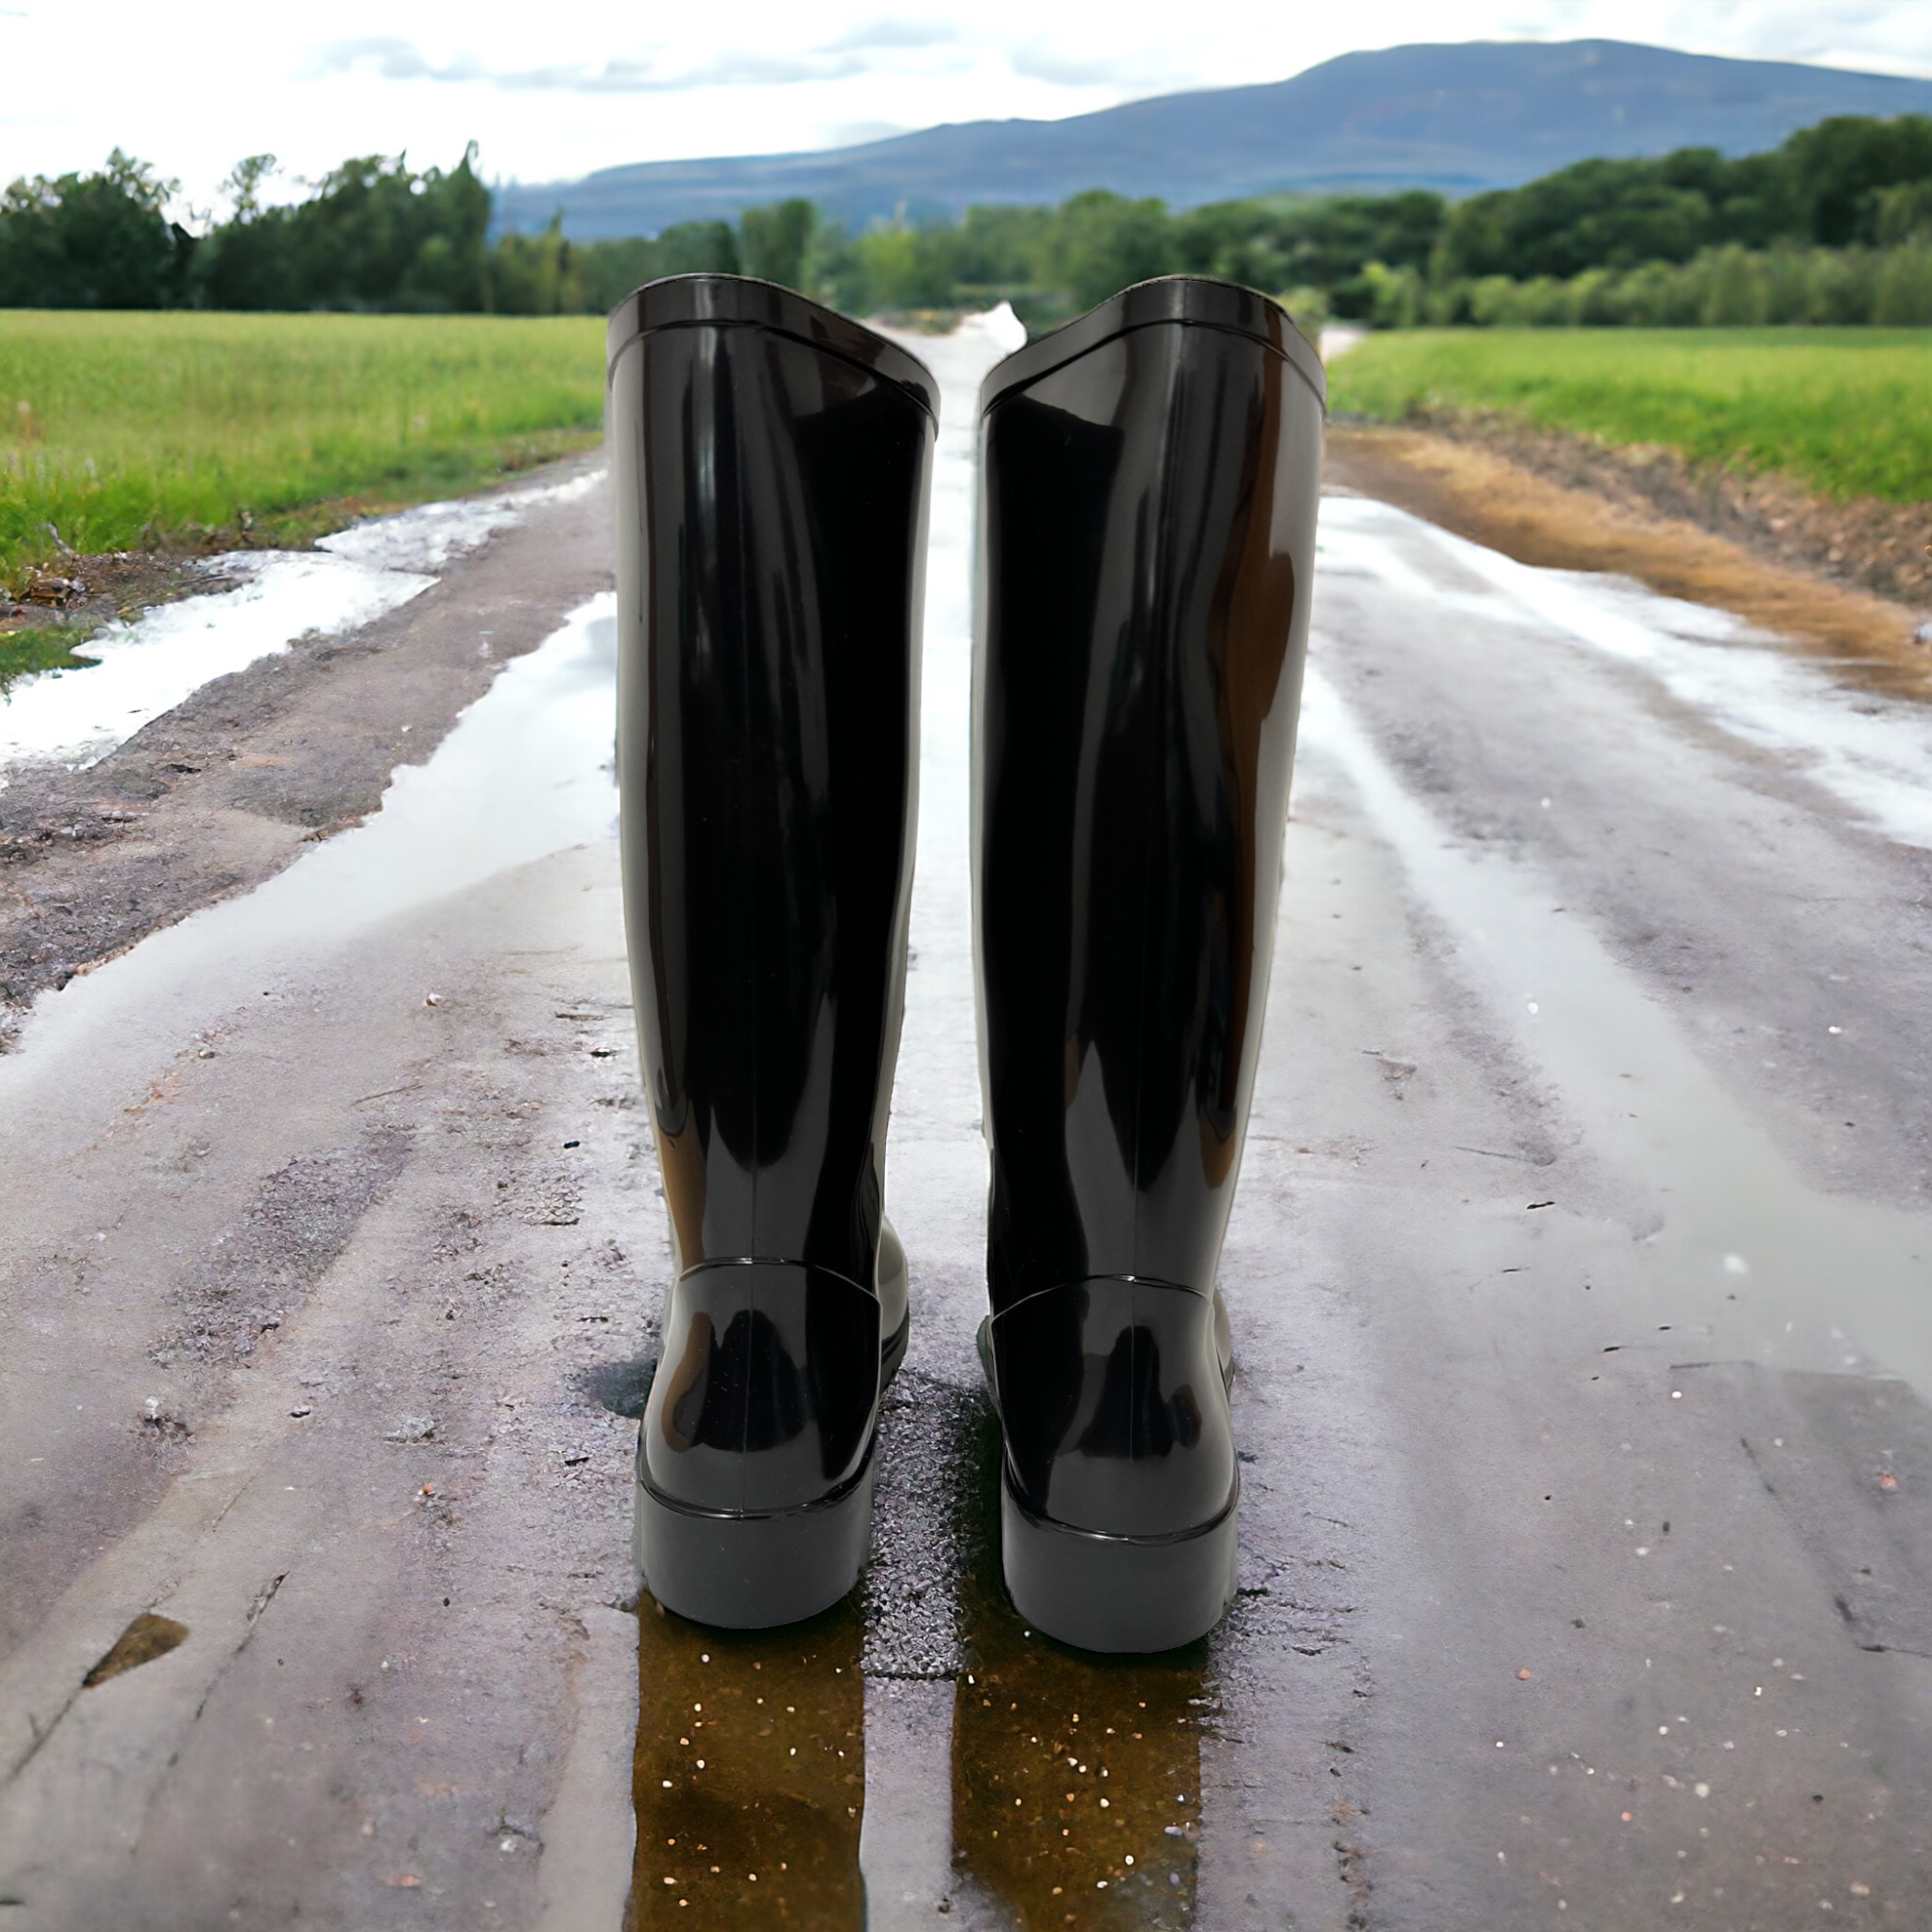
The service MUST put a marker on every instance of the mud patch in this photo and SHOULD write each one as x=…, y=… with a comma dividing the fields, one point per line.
x=1569, y=504
x=95, y=860
x=146, y=1638
x=1869, y=545
x=74, y=596
x=227, y=788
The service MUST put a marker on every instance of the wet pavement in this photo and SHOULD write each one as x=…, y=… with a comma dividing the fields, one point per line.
x=1578, y=1287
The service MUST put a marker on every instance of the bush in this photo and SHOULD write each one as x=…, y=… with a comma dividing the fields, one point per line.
x=1731, y=287
x=1902, y=296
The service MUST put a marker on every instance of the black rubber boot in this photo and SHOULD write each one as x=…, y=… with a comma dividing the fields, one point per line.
x=771, y=462
x=1150, y=476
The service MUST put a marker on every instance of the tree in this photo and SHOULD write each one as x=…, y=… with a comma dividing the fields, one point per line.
x=372, y=235
x=1837, y=170
x=772, y=240
x=536, y=274
x=1105, y=242
x=100, y=240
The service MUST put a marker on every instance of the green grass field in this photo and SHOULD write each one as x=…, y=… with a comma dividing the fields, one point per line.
x=124, y=430
x=1847, y=412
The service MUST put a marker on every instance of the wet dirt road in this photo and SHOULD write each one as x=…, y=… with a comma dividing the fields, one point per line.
x=1578, y=1284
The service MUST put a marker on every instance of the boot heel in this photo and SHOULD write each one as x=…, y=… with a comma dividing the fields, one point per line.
x=743, y=1572
x=1117, y=1593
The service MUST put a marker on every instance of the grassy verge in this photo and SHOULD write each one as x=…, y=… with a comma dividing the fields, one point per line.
x=25, y=651
x=1846, y=412
x=127, y=430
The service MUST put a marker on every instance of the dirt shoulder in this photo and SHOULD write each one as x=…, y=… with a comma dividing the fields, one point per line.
x=1850, y=588
x=223, y=791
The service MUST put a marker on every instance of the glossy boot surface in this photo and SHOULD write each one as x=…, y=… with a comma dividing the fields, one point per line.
x=771, y=462
x=1150, y=476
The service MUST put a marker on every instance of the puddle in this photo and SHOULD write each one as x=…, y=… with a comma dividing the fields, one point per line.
x=1076, y=1779
x=749, y=1774
x=525, y=771
x=1072, y=1782
x=146, y=1638
x=258, y=603
x=1032, y=1825
x=1872, y=752
x=1775, y=1271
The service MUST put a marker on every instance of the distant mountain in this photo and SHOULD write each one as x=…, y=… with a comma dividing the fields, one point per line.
x=1457, y=118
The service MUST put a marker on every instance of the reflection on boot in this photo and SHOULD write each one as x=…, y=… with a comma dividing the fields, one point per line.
x=749, y=1776
x=1075, y=1779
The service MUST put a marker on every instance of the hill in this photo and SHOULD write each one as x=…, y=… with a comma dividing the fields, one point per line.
x=1456, y=118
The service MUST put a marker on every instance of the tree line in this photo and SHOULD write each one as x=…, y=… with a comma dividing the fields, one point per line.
x=1834, y=225
x=375, y=234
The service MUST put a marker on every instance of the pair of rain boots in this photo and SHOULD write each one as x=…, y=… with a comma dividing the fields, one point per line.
x=1149, y=477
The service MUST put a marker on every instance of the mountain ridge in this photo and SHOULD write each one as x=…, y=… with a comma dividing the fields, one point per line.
x=1457, y=117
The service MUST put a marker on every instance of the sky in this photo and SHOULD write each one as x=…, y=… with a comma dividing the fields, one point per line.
x=552, y=93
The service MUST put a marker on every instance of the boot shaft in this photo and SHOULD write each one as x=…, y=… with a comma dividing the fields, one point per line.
x=771, y=463
x=1148, y=485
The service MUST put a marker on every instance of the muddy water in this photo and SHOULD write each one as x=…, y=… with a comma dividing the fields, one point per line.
x=1077, y=1780
x=749, y=1774
x=1074, y=1781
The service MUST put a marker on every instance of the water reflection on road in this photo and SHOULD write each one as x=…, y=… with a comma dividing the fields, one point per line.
x=749, y=1774
x=1077, y=1780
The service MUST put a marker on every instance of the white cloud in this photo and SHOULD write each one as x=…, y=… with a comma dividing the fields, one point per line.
x=390, y=59
x=593, y=83
x=895, y=34
x=856, y=133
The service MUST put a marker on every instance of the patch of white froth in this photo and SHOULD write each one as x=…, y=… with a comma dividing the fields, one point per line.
x=76, y=716
x=1872, y=752
x=527, y=770
x=428, y=536
x=268, y=599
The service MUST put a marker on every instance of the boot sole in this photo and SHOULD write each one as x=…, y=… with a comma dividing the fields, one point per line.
x=893, y=1352
x=743, y=1572
x=1117, y=1593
